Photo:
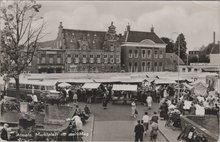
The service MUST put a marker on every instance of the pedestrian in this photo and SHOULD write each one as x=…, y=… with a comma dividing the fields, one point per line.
x=4, y=132
x=105, y=101
x=87, y=110
x=145, y=122
x=149, y=101
x=70, y=95
x=155, y=118
x=78, y=123
x=133, y=109
x=154, y=131
x=75, y=97
x=139, y=131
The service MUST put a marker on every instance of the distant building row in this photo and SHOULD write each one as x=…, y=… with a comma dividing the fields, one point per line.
x=98, y=51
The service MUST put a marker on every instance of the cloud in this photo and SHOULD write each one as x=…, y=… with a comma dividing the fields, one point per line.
x=197, y=26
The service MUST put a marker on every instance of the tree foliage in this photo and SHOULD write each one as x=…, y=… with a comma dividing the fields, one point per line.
x=19, y=36
x=169, y=46
x=181, y=44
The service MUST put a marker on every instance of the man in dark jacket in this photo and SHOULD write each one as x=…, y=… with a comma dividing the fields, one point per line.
x=139, y=131
x=4, y=132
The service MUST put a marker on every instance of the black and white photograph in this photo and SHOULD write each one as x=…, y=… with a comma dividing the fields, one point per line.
x=96, y=71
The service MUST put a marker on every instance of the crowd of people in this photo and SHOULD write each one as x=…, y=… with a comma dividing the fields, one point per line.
x=147, y=124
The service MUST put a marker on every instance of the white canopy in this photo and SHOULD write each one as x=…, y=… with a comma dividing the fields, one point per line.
x=64, y=84
x=165, y=81
x=131, y=80
x=91, y=85
x=117, y=87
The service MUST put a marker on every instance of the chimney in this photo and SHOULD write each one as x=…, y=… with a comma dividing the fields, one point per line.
x=128, y=27
x=61, y=25
x=213, y=37
x=152, y=29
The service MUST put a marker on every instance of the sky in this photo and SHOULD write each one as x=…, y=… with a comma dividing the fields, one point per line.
x=197, y=20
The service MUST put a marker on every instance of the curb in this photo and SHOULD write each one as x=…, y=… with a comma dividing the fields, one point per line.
x=92, y=129
x=164, y=135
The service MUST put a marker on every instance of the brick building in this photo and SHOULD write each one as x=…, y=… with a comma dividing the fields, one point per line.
x=79, y=51
x=90, y=51
x=100, y=51
x=142, y=51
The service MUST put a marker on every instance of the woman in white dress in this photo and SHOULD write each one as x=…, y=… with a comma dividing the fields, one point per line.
x=133, y=108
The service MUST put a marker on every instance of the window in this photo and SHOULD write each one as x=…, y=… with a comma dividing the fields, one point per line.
x=160, y=66
x=189, y=69
x=183, y=69
x=51, y=59
x=68, y=58
x=143, y=53
x=112, y=60
x=43, y=60
x=130, y=54
x=143, y=67
x=91, y=59
x=58, y=59
x=161, y=54
x=148, y=66
x=136, y=53
x=38, y=60
x=148, y=53
x=155, y=66
x=84, y=59
x=28, y=86
x=99, y=59
x=118, y=59
x=105, y=58
x=130, y=66
x=76, y=58
x=37, y=87
x=195, y=70
x=135, y=67
x=112, y=47
x=155, y=54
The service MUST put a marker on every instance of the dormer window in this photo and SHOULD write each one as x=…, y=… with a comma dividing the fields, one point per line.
x=95, y=35
x=72, y=34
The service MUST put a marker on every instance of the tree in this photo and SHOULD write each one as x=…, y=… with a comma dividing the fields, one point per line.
x=19, y=36
x=181, y=44
x=169, y=46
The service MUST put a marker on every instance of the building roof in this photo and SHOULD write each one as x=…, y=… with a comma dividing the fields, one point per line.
x=94, y=39
x=138, y=36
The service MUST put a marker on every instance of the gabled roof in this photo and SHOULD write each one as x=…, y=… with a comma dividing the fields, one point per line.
x=138, y=36
x=73, y=36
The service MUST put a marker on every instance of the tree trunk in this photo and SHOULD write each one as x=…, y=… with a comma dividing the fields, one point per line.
x=17, y=87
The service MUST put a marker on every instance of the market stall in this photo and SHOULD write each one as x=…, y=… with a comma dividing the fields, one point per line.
x=124, y=93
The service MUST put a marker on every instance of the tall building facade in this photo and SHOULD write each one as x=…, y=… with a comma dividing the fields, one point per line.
x=79, y=51
x=142, y=51
x=100, y=51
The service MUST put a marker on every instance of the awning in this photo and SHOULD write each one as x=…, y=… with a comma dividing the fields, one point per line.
x=91, y=85
x=131, y=80
x=117, y=87
x=164, y=81
x=106, y=80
